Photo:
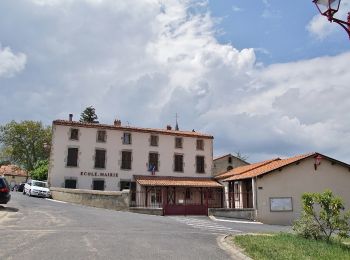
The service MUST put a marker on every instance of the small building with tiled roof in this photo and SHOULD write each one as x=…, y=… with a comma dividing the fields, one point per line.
x=13, y=174
x=271, y=190
x=226, y=162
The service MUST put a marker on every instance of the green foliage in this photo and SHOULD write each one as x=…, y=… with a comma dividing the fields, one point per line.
x=323, y=215
x=88, y=115
x=40, y=170
x=288, y=246
x=24, y=143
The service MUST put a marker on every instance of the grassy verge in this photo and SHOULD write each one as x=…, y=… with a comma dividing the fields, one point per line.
x=289, y=246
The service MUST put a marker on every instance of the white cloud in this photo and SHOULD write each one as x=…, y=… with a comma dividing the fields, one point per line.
x=11, y=63
x=321, y=28
x=143, y=64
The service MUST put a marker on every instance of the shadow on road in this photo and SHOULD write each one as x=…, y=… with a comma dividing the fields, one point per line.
x=8, y=209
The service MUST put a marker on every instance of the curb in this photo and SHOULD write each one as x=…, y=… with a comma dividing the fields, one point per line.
x=234, y=251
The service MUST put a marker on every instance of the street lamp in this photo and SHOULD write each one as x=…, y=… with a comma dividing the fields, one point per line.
x=328, y=8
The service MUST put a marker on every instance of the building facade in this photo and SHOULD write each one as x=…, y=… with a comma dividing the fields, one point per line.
x=273, y=188
x=115, y=157
x=226, y=163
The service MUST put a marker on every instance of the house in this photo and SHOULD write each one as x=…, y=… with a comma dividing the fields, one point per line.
x=163, y=168
x=13, y=174
x=272, y=189
x=226, y=162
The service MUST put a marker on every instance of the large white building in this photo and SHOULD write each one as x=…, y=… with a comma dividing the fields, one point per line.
x=108, y=157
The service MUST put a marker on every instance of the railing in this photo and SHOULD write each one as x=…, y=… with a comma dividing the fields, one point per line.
x=158, y=198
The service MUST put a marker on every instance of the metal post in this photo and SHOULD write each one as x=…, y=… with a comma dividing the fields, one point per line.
x=146, y=197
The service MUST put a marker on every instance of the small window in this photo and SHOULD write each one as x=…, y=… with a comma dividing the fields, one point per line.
x=74, y=134
x=229, y=159
x=70, y=184
x=153, y=162
x=100, y=158
x=154, y=140
x=178, y=163
x=125, y=185
x=200, y=164
x=101, y=136
x=200, y=144
x=98, y=185
x=72, y=157
x=178, y=142
x=126, y=160
x=127, y=138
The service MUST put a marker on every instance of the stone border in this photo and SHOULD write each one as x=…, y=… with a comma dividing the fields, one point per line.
x=234, y=251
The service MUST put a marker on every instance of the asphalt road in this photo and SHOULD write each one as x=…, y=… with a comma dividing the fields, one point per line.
x=35, y=228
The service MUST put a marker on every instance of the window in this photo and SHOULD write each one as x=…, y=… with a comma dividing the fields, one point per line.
x=98, y=184
x=178, y=163
x=200, y=144
x=70, y=184
x=126, y=160
x=125, y=185
x=154, y=140
x=74, y=134
x=101, y=136
x=178, y=142
x=153, y=162
x=229, y=168
x=100, y=158
x=126, y=138
x=229, y=159
x=200, y=164
x=72, y=157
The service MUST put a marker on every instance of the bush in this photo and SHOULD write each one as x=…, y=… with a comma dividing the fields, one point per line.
x=322, y=217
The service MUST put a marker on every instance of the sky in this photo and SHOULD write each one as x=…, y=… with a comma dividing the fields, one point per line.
x=267, y=78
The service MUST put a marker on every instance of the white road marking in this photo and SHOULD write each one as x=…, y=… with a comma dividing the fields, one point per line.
x=235, y=221
x=206, y=225
x=57, y=201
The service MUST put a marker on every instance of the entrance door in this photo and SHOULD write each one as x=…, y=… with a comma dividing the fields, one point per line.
x=98, y=184
x=185, y=201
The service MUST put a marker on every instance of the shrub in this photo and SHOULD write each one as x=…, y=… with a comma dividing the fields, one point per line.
x=323, y=215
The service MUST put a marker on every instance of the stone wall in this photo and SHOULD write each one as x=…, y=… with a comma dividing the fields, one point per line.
x=233, y=213
x=117, y=200
x=149, y=211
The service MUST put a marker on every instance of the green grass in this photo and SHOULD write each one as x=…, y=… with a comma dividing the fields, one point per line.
x=289, y=246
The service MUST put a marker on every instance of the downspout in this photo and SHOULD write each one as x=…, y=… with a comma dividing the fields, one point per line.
x=255, y=197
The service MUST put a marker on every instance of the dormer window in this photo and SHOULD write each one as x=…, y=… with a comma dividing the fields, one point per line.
x=74, y=134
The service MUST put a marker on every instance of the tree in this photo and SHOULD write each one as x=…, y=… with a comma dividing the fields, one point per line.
x=322, y=217
x=40, y=170
x=24, y=143
x=88, y=115
x=239, y=155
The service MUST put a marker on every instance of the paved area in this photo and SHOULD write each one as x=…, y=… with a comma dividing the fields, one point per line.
x=35, y=228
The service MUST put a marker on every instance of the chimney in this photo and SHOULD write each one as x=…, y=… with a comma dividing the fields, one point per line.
x=168, y=127
x=117, y=122
x=70, y=117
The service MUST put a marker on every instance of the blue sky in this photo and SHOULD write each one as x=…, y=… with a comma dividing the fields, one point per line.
x=267, y=78
x=277, y=27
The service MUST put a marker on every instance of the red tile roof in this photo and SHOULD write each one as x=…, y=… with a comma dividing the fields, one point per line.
x=267, y=167
x=242, y=169
x=133, y=129
x=177, y=181
x=12, y=170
